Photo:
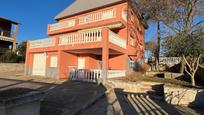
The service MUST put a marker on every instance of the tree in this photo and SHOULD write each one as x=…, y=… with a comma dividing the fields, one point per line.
x=154, y=10
x=21, y=49
x=179, y=16
x=190, y=47
x=186, y=19
x=152, y=47
x=187, y=25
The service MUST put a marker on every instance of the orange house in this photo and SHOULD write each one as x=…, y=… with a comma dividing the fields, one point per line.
x=92, y=39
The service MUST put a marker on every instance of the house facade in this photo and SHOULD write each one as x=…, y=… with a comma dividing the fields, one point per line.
x=8, y=35
x=91, y=39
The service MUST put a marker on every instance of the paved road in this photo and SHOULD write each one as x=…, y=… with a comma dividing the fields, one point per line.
x=65, y=98
x=118, y=103
x=61, y=98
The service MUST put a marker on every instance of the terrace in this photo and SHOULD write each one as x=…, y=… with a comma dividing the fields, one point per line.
x=89, y=37
x=6, y=36
x=96, y=18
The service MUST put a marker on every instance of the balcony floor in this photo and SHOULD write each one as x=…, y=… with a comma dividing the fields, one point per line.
x=96, y=51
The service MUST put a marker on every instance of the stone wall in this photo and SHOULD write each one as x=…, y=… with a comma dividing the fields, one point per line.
x=167, y=75
x=134, y=87
x=170, y=75
x=125, y=85
x=52, y=72
x=149, y=73
x=11, y=67
x=184, y=96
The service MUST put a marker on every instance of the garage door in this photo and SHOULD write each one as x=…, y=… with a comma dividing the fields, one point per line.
x=39, y=64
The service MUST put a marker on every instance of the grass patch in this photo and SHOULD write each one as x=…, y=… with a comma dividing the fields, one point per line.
x=137, y=76
x=160, y=80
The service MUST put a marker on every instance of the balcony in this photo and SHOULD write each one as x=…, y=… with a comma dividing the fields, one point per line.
x=91, y=36
x=6, y=36
x=117, y=40
x=80, y=38
x=62, y=25
x=100, y=18
x=42, y=43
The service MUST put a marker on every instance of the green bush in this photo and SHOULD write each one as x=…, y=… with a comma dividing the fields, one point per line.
x=9, y=57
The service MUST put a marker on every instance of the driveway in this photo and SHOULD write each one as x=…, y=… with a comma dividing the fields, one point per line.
x=61, y=97
x=69, y=98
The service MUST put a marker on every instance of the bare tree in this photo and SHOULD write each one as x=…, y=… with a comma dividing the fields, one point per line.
x=190, y=47
x=179, y=16
x=185, y=19
x=187, y=25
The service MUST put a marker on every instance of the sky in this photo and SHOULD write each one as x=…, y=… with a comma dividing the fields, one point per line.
x=35, y=15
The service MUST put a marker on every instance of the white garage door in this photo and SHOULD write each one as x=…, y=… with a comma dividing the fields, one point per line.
x=39, y=64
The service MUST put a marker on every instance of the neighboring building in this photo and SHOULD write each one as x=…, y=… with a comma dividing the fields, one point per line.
x=170, y=61
x=92, y=36
x=8, y=35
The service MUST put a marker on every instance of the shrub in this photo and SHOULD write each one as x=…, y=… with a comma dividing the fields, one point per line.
x=9, y=57
x=141, y=67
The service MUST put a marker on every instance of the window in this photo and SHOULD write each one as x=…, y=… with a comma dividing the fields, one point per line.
x=124, y=14
x=53, y=61
x=132, y=41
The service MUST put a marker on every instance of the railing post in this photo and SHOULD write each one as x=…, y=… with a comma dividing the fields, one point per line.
x=57, y=40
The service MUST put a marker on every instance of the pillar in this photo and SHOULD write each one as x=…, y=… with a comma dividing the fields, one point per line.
x=105, y=54
x=15, y=37
x=27, y=59
x=59, y=66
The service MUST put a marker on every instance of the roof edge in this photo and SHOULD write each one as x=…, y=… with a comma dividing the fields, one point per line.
x=7, y=20
x=89, y=10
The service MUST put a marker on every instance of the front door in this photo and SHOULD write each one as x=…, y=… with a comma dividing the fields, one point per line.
x=81, y=63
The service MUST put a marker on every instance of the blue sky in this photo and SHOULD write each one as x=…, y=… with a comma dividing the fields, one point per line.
x=35, y=15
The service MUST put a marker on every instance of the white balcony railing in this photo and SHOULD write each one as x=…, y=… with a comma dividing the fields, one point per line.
x=99, y=16
x=81, y=37
x=116, y=73
x=90, y=18
x=62, y=25
x=117, y=40
x=88, y=75
x=91, y=75
x=6, y=36
x=42, y=43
